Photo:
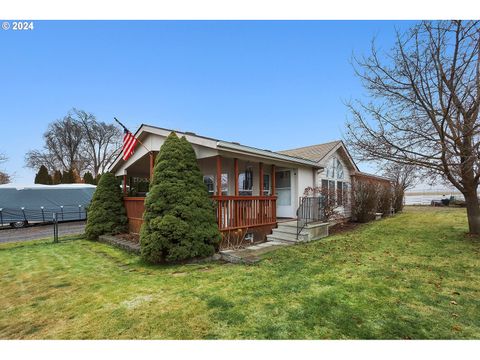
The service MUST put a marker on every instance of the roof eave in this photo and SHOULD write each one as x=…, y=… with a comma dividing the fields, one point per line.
x=265, y=153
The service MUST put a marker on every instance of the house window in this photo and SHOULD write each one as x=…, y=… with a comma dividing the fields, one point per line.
x=331, y=168
x=346, y=192
x=339, y=169
x=139, y=186
x=224, y=184
x=211, y=183
x=334, y=169
x=324, y=186
x=328, y=189
x=339, y=193
x=266, y=184
x=245, y=182
x=342, y=193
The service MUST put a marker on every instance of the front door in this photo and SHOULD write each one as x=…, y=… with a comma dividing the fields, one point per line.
x=285, y=203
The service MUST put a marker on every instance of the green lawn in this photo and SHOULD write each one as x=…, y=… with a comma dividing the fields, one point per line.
x=412, y=276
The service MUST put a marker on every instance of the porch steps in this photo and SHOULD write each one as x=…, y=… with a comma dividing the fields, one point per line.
x=286, y=232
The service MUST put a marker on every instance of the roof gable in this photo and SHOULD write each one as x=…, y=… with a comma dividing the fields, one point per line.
x=320, y=153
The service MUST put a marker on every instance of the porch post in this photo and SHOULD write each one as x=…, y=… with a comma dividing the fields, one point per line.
x=273, y=180
x=219, y=175
x=125, y=182
x=260, y=180
x=235, y=166
x=152, y=161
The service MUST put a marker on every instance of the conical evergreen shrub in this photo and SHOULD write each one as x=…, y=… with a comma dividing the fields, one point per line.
x=106, y=214
x=43, y=177
x=68, y=177
x=179, y=219
x=88, y=178
x=57, y=177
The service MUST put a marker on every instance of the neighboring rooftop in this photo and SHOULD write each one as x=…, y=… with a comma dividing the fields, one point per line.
x=313, y=152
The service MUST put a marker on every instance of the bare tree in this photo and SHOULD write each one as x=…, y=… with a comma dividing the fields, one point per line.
x=4, y=177
x=77, y=142
x=425, y=105
x=404, y=177
x=62, y=148
x=102, y=142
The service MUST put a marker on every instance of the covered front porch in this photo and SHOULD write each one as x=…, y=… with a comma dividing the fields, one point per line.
x=252, y=188
x=244, y=191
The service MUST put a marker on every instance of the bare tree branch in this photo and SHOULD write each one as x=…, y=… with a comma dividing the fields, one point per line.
x=424, y=108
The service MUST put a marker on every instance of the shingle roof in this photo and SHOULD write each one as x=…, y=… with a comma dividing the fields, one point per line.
x=313, y=152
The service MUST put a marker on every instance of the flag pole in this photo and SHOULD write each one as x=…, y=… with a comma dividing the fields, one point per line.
x=125, y=128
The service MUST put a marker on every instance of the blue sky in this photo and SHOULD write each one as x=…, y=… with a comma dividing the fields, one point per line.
x=270, y=84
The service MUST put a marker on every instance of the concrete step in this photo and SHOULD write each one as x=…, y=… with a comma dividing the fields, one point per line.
x=273, y=238
x=289, y=236
x=290, y=230
x=288, y=224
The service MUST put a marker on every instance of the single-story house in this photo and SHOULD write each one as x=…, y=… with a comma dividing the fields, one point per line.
x=257, y=187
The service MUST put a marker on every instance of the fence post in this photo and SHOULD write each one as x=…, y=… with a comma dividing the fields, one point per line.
x=43, y=214
x=79, y=212
x=61, y=207
x=1, y=216
x=55, y=228
x=24, y=216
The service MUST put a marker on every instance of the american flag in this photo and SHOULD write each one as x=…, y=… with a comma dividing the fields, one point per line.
x=129, y=143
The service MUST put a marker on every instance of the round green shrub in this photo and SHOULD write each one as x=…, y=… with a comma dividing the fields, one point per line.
x=106, y=213
x=179, y=219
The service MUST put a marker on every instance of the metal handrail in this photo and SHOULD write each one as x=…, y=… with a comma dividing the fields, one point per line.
x=310, y=210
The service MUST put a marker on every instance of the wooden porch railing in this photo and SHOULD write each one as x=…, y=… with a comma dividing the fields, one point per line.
x=233, y=212
x=134, y=207
x=237, y=212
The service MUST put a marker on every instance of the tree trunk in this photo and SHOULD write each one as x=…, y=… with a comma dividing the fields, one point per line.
x=473, y=212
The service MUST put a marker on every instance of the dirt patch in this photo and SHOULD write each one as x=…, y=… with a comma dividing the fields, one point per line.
x=134, y=238
x=343, y=227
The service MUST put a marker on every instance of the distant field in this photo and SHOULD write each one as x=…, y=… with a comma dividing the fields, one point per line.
x=426, y=197
x=412, y=276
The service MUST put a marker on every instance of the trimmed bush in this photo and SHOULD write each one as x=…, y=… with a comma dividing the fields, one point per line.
x=399, y=194
x=385, y=199
x=106, y=214
x=179, y=219
x=370, y=197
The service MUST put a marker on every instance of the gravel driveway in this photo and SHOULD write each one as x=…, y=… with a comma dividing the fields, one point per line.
x=41, y=232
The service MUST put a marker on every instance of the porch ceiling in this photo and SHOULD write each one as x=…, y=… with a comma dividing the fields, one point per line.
x=140, y=168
